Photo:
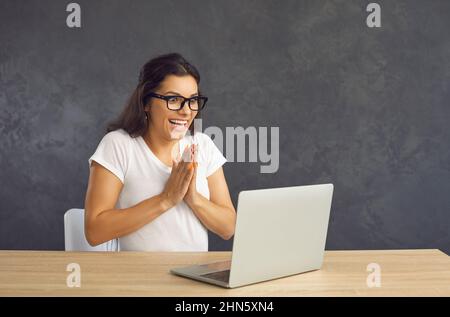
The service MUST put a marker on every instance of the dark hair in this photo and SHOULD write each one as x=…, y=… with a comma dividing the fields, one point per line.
x=133, y=117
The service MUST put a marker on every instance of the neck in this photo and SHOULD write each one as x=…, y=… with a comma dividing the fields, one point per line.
x=159, y=145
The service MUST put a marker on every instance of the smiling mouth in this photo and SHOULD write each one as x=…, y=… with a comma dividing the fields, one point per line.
x=179, y=123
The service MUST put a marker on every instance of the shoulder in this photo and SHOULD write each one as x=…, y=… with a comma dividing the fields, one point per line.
x=119, y=136
x=116, y=141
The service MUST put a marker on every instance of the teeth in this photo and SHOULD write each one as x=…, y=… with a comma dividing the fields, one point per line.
x=178, y=122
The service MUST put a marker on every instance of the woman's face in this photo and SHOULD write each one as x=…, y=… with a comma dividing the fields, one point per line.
x=161, y=118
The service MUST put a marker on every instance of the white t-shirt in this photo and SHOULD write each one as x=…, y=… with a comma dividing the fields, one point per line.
x=143, y=176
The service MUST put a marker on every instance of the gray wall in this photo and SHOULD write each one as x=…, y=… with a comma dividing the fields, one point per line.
x=366, y=109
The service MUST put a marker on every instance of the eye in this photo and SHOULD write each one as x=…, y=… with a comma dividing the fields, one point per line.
x=174, y=99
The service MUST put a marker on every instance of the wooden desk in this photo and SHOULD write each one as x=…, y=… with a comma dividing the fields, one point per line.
x=43, y=273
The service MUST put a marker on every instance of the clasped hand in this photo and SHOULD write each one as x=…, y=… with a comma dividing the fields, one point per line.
x=181, y=184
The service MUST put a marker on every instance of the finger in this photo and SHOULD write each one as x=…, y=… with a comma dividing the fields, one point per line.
x=194, y=157
x=186, y=152
x=176, y=172
x=184, y=170
x=190, y=173
x=175, y=166
x=194, y=172
x=195, y=152
x=184, y=165
x=188, y=167
x=188, y=177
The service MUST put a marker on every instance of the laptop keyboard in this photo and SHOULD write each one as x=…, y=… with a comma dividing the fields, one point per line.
x=222, y=276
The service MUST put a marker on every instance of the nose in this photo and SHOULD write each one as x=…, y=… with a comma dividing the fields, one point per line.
x=185, y=110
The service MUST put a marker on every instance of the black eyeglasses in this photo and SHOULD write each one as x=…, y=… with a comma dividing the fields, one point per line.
x=176, y=102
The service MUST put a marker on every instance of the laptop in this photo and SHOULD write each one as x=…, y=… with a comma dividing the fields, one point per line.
x=279, y=232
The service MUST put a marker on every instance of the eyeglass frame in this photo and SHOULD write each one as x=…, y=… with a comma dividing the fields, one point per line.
x=166, y=98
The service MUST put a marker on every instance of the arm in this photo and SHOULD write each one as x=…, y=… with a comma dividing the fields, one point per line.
x=103, y=222
x=217, y=214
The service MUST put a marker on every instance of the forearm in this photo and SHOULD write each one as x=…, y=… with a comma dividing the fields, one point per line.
x=114, y=223
x=219, y=219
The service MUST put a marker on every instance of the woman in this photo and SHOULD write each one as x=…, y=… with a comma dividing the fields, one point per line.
x=142, y=187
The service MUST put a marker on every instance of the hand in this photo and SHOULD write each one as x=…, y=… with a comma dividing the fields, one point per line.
x=192, y=189
x=179, y=180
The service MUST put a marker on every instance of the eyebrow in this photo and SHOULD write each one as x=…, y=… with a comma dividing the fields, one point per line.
x=177, y=93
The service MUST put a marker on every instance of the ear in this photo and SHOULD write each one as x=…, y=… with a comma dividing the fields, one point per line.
x=147, y=109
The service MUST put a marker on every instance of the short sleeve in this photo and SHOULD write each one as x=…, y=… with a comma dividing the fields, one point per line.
x=111, y=153
x=213, y=157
